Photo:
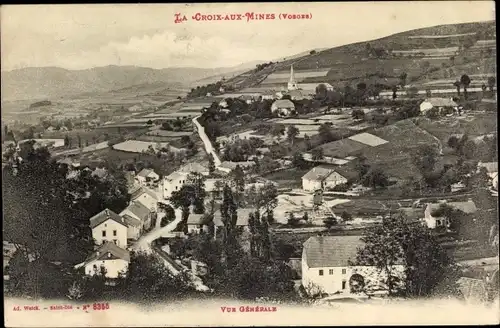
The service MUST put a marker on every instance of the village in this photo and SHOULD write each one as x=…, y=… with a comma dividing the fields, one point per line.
x=289, y=182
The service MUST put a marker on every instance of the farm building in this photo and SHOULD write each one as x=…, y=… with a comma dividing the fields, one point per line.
x=321, y=178
x=433, y=222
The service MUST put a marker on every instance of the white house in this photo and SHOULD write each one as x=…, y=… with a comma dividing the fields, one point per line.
x=432, y=222
x=491, y=170
x=147, y=175
x=326, y=266
x=109, y=226
x=268, y=95
x=195, y=223
x=109, y=259
x=173, y=182
x=146, y=197
x=283, y=107
x=439, y=103
x=323, y=178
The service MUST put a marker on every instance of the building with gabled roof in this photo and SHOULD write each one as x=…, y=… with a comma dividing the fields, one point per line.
x=146, y=197
x=109, y=226
x=147, y=175
x=433, y=222
x=283, y=107
x=328, y=265
x=109, y=259
x=322, y=178
x=173, y=182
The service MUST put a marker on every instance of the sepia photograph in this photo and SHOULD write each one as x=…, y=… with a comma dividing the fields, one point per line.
x=250, y=164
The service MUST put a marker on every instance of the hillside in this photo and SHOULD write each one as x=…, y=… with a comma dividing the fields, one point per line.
x=442, y=52
x=50, y=82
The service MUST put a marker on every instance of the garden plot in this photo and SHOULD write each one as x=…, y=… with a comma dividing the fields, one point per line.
x=368, y=139
x=293, y=121
x=135, y=146
x=342, y=148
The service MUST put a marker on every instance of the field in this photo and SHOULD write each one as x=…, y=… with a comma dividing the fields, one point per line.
x=342, y=148
x=483, y=123
x=288, y=178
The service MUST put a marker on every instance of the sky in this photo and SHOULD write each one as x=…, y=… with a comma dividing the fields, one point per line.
x=86, y=36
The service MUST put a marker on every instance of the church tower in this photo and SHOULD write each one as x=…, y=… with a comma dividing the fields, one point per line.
x=292, y=85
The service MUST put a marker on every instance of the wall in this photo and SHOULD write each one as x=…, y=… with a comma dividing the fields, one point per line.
x=170, y=186
x=332, y=282
x=113, y=267
x=148, y=201
x=109, y=226
x=311, y=185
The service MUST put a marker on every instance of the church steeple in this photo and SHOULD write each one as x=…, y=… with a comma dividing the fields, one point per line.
x=292, y=85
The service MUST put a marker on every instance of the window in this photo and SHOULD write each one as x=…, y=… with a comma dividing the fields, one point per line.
x=176, y=187
x=114, y=232
x=104, y=233
x=330, y=272
x=344, y=271
x=343, y=284
x=320, y=272
x=115, y=241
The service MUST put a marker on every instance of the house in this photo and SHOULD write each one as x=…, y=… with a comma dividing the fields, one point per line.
x=146, y=197
x=432, y=222
x=326, y=266
x=108, y=259
x=139, y=212
x=173, y=182
x=147, y=175
x=214, y=186
x=323, y=178
x=491, y=169
x=196, y=223
x=109, y=226
x=194, y=167
x=134, y=226
x=283, y=107
x=441, y=104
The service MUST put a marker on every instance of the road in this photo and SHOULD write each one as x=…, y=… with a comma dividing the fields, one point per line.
x=144, y=242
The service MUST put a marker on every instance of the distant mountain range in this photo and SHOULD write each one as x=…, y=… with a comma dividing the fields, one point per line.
x=54, y=82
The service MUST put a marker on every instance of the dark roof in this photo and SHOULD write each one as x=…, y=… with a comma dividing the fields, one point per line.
x=143, y=190
x=331, y=251
x=138, y=209
x=105, y=215
x=108, y=251
x=195, y=219
x=145, y=173
x=131, y=221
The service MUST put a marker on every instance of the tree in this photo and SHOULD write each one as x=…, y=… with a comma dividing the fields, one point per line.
x=330, y=222
x=425, y=158
x=278, y=130
x=79, y=141
x=292, y=220
x=465, y=81
x=358, y=114
x=375, y=178
x=317, y=154
x=457, y=85
x=169, y=215
x=67, y=142
x=307, y=141
x=394, y=92
x=299, y=161
x=325, y=133
x=211, y=164
x=229, y=216
x=346, y=216
x=321, y=91
x=292, y=133
x=491, y=82
x=453, y=142
x=402, y=79
x=147, y=279
x=267, y=198
x=238, y=177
